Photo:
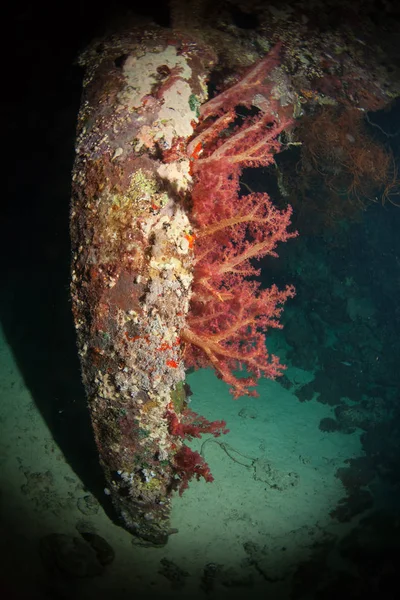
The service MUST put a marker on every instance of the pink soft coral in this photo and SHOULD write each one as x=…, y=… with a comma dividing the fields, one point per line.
x=229, y=333
x=229, y=312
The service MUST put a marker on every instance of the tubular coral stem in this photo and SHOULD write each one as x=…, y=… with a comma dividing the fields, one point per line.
x=251, y=144
x=244, y=90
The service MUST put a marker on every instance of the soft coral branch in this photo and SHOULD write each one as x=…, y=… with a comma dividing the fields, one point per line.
x=253, y=144
x=230, y=314
x=255, y=231
x=192, y=425
x=190, y=464
x=255, y=81
x=233, y=337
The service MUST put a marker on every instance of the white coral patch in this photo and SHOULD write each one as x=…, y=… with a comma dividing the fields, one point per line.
x=177, y=173
x=140, y=73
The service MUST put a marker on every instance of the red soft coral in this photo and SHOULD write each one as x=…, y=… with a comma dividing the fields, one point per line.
x=254, y=82
x=229, y=313
x=192, y=425
x=188, y=464
x=230, y=334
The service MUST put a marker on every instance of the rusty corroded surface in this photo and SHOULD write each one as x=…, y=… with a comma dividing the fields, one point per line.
x=132, y=260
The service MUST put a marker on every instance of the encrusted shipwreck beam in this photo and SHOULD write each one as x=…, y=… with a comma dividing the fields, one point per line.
x=133, y=260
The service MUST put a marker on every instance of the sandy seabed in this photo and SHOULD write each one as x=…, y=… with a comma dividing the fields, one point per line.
x=265, y=513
